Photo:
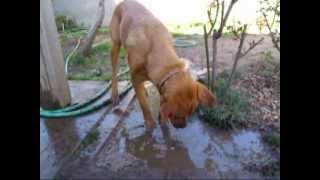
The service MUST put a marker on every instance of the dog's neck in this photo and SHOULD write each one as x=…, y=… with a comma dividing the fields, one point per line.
x=166, y=78
x=171, y=75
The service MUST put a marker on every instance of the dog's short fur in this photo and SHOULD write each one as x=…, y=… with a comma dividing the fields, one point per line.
x=152, y=57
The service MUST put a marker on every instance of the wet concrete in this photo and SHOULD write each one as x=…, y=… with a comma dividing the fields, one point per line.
x=197, y=151
x=60, y=137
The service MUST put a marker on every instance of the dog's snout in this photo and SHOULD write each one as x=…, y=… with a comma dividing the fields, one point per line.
x=179, y=125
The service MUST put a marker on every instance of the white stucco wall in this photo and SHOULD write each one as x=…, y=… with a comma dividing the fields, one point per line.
x=169, y=11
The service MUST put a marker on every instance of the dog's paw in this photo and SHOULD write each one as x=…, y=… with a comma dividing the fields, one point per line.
x=115, y=100
x=150, y=125
x=161, y=120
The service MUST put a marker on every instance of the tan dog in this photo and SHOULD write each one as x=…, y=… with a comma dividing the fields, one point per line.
x=152, y=57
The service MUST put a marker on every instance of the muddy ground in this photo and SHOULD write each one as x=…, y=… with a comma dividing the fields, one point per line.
x=199, y=150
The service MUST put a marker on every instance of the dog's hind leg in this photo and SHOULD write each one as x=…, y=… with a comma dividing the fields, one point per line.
x=115, y=49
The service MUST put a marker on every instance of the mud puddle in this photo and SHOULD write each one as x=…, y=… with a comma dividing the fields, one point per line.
x=196, y=151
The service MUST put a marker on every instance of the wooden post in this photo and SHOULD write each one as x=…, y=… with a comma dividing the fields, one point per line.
x=54, y=88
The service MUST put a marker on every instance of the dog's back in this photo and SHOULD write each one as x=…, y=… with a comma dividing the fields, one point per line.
x=133, y=25
x=142, y=34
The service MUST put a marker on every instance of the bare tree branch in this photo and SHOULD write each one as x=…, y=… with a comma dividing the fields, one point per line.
x=225, y=18
x=275, y=43
x=251, y=47
x=275, y=13
x=238, y=55
x=207, y=53
x=213, y=23
x=214, y=57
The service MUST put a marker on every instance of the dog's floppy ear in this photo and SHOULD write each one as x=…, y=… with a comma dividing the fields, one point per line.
x=205, y=96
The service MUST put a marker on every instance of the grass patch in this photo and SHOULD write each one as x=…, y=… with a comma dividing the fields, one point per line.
x=186, y=29
x=176, y=35
x=102, y=48
x=106, y=47
x=103, y=30
x=90, y=76
x=193, y=28
x=76, y=33
x=94, y=66
x=122, y=53
x=78, y=59
x=232, y=108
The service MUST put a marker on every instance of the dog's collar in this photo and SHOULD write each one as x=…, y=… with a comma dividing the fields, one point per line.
x=167, y=77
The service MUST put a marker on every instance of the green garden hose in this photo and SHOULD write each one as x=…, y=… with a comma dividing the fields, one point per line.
x=83, y=110
x=89, y=101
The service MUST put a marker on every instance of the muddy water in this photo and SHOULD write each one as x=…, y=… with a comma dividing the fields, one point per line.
x=197, y=151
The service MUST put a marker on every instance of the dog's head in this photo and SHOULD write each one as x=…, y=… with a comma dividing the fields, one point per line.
x=181, y=98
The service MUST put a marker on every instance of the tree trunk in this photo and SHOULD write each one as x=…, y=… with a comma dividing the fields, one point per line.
x=207, y=54
x=214, y=57
x=54, y=88
x=86, y=47
x=238, y=55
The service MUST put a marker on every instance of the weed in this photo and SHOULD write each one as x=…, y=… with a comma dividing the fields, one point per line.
x=267, y=67
x=90, y=138
x=272, y=137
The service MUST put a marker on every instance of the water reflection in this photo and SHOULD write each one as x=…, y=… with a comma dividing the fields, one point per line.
x=169, y=154
x=57, y=138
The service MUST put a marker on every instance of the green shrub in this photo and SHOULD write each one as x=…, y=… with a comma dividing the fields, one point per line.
x=77, y=60
x=272, y=137
x=231, y=110
x=267, y=66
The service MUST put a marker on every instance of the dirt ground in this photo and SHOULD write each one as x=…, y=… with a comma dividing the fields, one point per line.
x=227, y=47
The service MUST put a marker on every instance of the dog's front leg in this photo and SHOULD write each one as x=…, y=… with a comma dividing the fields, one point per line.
x=114, y=61
x=141, y=96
